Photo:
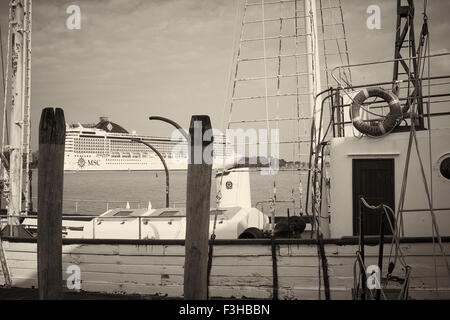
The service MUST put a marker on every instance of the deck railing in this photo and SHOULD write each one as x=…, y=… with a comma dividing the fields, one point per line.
x=86, y=206
x=435, y=94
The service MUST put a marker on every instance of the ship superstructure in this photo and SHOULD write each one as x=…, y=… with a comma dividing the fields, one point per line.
x=108, y=146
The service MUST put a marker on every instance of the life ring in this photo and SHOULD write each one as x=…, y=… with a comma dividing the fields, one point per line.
x=383, y=127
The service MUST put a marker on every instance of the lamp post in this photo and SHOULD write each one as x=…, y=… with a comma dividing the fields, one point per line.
x=173, y=123
x=164, y=164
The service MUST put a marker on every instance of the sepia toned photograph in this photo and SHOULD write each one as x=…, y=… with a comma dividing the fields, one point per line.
x=218, y=156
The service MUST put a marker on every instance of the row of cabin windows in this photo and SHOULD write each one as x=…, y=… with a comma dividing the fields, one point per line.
x=103, y=149
x=128, y=155
x=92, y=145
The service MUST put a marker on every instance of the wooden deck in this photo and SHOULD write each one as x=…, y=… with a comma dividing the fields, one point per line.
x=240, y=268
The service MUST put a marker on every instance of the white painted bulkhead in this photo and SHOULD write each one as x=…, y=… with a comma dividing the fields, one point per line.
x=393, y=146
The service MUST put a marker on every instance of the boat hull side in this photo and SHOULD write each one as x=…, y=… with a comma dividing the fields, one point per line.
x=157, y=269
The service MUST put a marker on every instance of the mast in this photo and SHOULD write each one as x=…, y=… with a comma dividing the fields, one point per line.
x=18, y=125
x=313, y=65
x=27, y=107
x=315, y=102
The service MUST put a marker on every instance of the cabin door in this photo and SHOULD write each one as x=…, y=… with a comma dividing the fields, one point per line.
x=374, y=180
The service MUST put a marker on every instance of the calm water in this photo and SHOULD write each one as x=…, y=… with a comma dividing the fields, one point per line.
x=94, y=189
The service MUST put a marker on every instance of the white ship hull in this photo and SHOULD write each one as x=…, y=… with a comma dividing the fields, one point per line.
x=74, y=162
x=92, y=162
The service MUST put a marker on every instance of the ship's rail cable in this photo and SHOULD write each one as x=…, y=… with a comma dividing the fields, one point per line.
x=394, y=244
x=213, y=234
x=317, y=196
x=392, y=225
x=274, y=269
x=324, y=263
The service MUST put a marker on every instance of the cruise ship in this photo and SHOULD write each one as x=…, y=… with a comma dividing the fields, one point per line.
x=108, y=146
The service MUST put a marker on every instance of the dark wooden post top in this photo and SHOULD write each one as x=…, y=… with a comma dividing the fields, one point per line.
x=52, y=127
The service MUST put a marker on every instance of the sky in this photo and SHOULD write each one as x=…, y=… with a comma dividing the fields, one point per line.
x=136, y=58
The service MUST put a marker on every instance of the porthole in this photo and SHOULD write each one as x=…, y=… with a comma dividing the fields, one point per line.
x=444, y=166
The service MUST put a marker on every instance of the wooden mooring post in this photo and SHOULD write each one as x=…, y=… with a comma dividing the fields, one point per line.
x=197, y=211
x=52, y=134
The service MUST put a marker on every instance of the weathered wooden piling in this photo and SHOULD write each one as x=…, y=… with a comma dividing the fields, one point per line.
x=52, y=133
x=197, y=211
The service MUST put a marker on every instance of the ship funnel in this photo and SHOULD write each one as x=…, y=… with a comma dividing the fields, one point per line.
x=235, y=188
x=104, y=119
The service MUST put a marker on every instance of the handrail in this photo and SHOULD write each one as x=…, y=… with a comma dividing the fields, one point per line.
x=380, y=62
x=385, y=83
x=99, y=200
x=140, y=204
x=336, y=75
x=74, y=217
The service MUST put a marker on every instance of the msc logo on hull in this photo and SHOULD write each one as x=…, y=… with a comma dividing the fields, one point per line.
x=92, y=163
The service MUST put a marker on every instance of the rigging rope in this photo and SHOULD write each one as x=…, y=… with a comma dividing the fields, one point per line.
x=3, y=62
x=300, y=117
x=427, y=49
x=230, y=69
x=219, y=186
x=433, y=216
x=3, y=163
x=346, y=80
x=5, y=136
x=265, y=76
